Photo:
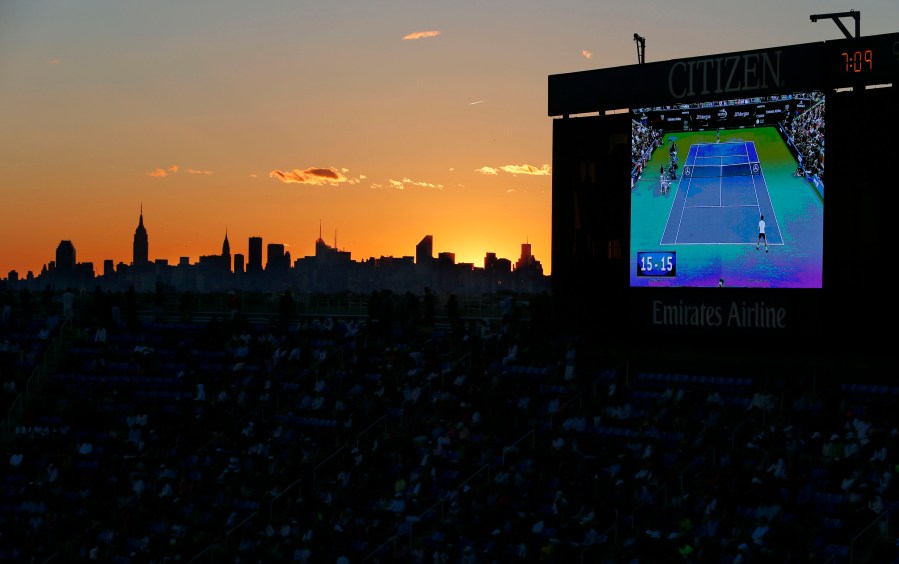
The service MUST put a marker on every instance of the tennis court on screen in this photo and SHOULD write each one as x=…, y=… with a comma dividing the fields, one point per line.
x=720, y=196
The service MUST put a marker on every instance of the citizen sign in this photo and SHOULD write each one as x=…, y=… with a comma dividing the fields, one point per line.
x=725, y=74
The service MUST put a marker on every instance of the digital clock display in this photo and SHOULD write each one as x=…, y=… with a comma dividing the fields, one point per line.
x=863, y=60
x=858, y=61
x=656, y=263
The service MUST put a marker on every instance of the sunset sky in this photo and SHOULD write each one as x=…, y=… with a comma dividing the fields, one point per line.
x=377, y=122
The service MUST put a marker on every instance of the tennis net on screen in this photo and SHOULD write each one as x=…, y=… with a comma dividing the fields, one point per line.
x=717, y=171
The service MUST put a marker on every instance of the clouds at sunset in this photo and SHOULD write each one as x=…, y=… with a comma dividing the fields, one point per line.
x=516, y=169
x=526, y=169
x=55, y=61
x=163, y=172
x=402, y=184
x=421, y=35
x=314, y=176
x=587, y=54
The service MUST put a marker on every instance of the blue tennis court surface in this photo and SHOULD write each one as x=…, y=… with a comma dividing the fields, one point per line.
x=719, y=198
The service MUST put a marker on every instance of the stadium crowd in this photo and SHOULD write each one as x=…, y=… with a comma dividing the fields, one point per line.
x=644, y=140
x=806, y=133
x=411, y=436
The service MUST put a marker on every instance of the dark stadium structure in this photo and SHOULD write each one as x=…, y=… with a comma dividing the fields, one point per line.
x=622, y=195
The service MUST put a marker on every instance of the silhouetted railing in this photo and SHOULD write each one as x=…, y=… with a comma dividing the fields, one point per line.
x=530, y=433
x=35, y=380
x=577, y=397
x=883, y=517
x=271, y=503
x=701, y=459
x=663, y=489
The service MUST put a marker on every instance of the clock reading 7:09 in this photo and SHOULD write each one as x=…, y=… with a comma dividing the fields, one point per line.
x=658, y=263
x=863, y=60
x=858, y=61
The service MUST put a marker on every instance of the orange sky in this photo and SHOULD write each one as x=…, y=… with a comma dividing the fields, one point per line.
x=380, y=122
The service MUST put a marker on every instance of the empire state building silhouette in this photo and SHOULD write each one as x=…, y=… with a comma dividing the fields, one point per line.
x=141, y=242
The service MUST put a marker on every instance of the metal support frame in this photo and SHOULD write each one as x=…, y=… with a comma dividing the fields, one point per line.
x=641, y=48
x=836, y=19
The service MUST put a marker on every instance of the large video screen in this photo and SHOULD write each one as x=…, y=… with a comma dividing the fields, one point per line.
x=729, y=193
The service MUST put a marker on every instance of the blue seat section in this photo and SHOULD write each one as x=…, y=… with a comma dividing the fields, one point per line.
x=301, y=421
x=379, y=445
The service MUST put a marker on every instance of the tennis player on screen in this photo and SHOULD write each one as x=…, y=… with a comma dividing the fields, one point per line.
x=762, y=234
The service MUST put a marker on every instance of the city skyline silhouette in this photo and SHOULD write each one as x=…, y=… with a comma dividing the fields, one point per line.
x=268, y=265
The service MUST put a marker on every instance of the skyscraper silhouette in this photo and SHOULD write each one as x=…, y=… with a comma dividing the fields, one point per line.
x=141, y=245
x=276, y=259
x=424, y=251
x=226, y=252
x=65, y=256
x=526, y=259
x=254, y=260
